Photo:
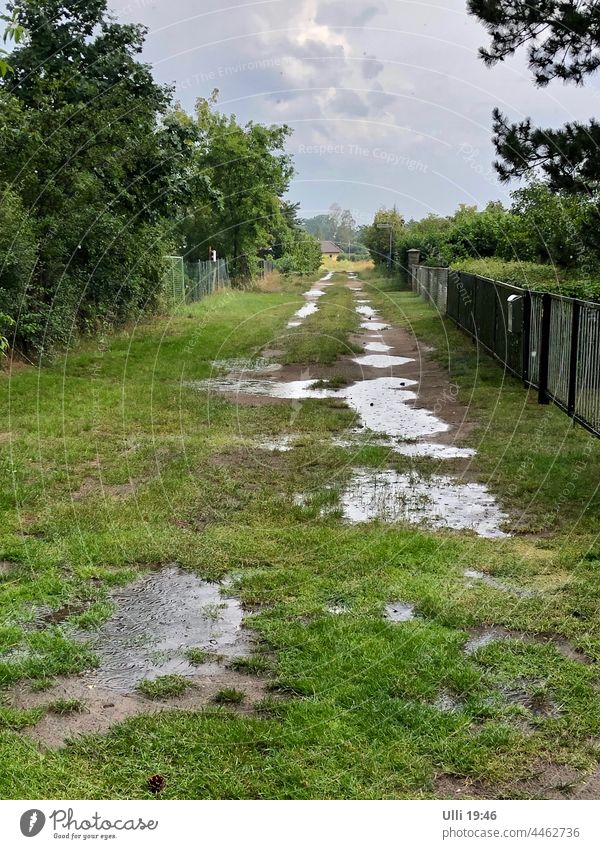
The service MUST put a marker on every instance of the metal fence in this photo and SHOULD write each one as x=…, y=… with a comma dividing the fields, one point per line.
x=551, y=342
x=265, y=266
x=185, y=282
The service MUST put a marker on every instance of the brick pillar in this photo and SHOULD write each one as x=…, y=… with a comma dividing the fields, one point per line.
x=414, y=256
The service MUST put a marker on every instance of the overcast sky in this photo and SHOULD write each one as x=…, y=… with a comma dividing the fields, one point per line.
x=388, y=101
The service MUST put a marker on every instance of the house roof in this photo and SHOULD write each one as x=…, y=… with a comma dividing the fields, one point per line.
x=328, y=247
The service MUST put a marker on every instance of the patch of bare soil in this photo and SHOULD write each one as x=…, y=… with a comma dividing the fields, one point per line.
x=104, y=707
x=93, y=486
x=544, y=781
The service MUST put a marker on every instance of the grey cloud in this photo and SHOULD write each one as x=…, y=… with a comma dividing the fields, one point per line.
x=371, y=67
x=349, y=103
x=339, y=13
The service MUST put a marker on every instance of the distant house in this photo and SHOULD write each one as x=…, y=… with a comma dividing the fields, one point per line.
x=330, y=249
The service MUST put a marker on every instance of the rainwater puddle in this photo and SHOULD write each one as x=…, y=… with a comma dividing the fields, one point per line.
x=303, y=312
x=381, y=405
x=314, y=293
x=382, y=360
x=438, y=502
x=484, y=637
x=374, y=325
x=433, y=449
x=258, y=365
x=282, y=443
x=447, y=703
x=399, y=611
x=157, y=618
x=368, y=312
x=475, y=575
x=378, y=347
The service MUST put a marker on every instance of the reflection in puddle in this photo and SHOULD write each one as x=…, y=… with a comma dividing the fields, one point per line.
x=433, y=449
x=484, y=637
x=381, y=405
x=447, y=703
x=240, y=364
x=492, y=582
x=285, y=442
x=157, y=618
x=379, y=347
x=374, y=325
x=438, y=501
x=366, y=311
x=382, y=360
x=399, y=611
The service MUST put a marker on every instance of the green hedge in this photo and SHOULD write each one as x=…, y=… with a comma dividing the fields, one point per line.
x=533, y=275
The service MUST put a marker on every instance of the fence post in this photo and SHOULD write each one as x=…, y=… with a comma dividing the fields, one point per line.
x=573, y=358
x=544, y=349
x=526, y=340
x=414, y=256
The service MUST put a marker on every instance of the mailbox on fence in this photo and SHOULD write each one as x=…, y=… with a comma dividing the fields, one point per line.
x=515, y=313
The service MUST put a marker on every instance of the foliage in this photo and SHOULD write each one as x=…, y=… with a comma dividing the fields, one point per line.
x=301, y=253
x=383, y=232
x=558, y=229
x=249, y=167
x=337, y=225
x=537, y=276
x=87, y=146
x=563, y=43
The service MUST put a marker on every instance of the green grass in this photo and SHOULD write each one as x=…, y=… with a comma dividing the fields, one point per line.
x=229, y=696
x=197, y=656
x=532, y=275
x=118, y=461
x=164, y=687
x=65, y=706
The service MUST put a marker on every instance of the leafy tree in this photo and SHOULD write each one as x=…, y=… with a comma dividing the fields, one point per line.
x=99, y=166
x=387, y=226
x=563, y=38
x=251, y=171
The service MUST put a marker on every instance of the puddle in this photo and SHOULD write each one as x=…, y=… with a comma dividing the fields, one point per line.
x=338, y=609
x=481, y=637
x=314, y=293
x=492, y=582
x=157, y=618
x=366, y=311
x=537, y=703
x=446, y=702
x=433, y=449
x=302, y=313
x=382, y=360
x=258, y=365
x=484, y=636
x=378, y=347
x=399, y=611
x=381, y=406
x=374, y=325
x=283, y=443
x=439, y=502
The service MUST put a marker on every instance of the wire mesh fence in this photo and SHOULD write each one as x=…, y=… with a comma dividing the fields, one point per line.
x=551, y=342
x=185, y=282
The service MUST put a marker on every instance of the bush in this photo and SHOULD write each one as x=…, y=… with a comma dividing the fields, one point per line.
x=537, y=276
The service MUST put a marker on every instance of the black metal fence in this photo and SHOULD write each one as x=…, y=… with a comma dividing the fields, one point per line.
x=551, y=342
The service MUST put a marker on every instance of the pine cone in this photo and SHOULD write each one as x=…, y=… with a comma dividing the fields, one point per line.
x=156, y=783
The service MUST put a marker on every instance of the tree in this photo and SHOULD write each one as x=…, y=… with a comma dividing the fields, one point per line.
x=383, y=233
x=98, y=164
x=563, y=38
x=249, y=168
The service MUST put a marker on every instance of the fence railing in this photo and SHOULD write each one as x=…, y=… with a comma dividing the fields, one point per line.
x=551, y=342
x=185, y=281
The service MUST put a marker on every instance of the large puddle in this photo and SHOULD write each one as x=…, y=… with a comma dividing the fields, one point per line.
x=157, y=618
x=438, y=502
